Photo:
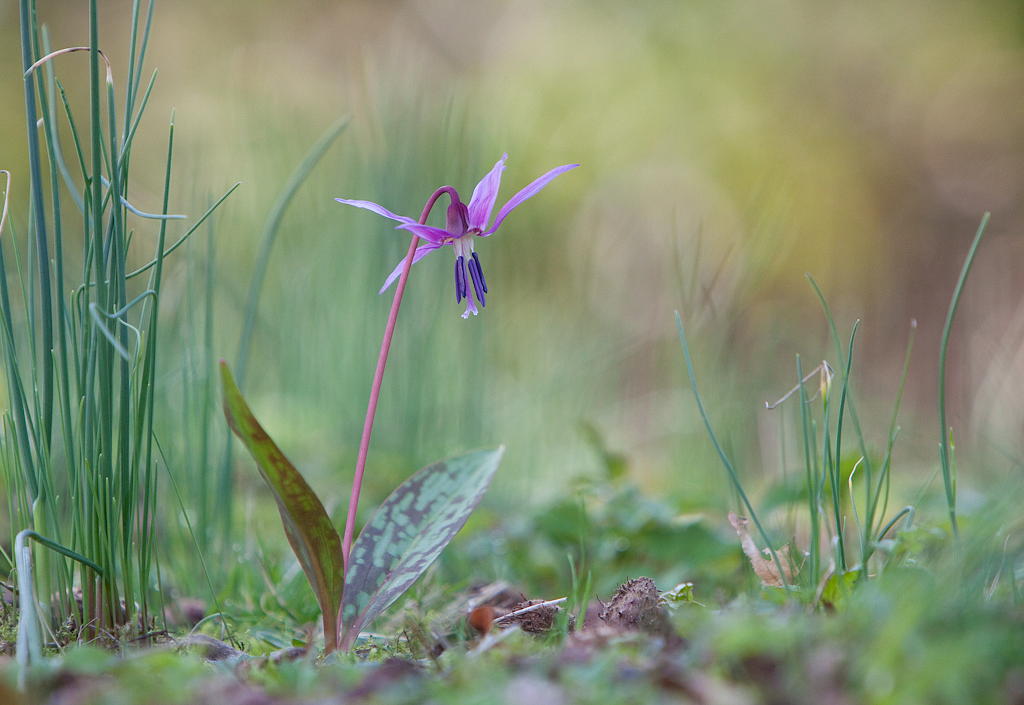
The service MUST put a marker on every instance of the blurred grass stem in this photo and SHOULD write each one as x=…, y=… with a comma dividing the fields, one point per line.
x=945, y=452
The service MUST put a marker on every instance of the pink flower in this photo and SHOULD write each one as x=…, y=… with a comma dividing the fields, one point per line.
x=464, y=223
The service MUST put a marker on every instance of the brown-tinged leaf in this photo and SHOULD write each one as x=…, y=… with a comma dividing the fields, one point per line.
x=310, y=532
x=764, y=568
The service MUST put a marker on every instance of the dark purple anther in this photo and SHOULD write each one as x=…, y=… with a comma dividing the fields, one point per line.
x=480, y=269
x=474, y=271
x=460, y=278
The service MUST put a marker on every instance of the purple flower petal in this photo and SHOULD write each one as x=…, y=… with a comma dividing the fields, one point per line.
x=526, y=193
x=427, y=232
x=484, y=196
x=456, y=218
x=421, y=252
x=378, y=209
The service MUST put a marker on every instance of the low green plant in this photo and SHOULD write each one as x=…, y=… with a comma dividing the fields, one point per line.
x=405, y=535
x=829, y=480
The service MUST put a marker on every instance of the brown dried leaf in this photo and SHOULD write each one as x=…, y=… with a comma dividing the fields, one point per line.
x=764, y=568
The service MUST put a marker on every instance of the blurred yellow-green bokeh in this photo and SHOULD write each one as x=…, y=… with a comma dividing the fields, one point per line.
x=728, y=148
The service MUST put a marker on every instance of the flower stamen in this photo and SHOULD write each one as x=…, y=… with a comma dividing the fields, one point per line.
x=480, y=270
x=478, y=286
x=460, y=278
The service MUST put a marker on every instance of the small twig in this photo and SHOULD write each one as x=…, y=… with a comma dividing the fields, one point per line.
x=531, y=608
x=824, y=365
x=147, y=635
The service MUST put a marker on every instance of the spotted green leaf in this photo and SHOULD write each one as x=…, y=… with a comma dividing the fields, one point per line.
x=409, y=531
x=310, y=532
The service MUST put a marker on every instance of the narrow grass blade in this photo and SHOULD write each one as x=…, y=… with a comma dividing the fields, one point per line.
x=38, y=223
x=181, y=240
x=730, y=469
x=408, y=532
x=310, y=532
x=269, y=237
x=944, y=449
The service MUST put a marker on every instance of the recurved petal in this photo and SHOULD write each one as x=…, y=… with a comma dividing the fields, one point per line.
x=526, y=193
x=484, y=195
x=427, y=232
x=421, y=252
x=376, y=208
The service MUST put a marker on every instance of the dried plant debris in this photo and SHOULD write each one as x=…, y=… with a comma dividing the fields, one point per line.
x=764, y=566
x=532, y=616
x=209, y=648
x=185, y=612
x=637, y=606
x=635, y=612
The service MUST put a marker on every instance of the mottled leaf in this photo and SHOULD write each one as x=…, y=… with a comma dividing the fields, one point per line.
x=310, y=532
x=409, y=531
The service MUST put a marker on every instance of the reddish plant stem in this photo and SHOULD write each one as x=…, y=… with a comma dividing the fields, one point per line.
x=378, y=375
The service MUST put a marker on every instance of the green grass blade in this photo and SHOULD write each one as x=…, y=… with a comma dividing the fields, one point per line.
x=842, y=364
x=730, y=469
x=944, y=431
x=836, y=484
x=269, y=236
x=181, y=240
x=267, y=240
x=39, y=222
x=813, y=514
x=885, y=472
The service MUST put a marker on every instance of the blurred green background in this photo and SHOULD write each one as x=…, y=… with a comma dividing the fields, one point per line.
x=727, y=149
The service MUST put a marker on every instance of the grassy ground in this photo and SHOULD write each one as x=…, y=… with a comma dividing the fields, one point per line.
x=943, y=623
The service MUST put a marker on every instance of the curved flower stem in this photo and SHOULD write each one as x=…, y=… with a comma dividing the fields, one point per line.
x=378, y=375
